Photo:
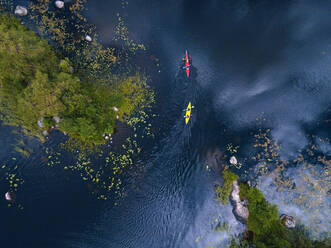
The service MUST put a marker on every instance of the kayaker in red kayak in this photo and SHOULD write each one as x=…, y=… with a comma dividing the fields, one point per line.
x=187, y=64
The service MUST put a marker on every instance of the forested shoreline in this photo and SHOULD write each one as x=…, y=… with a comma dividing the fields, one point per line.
x=40, y=86
x=264, y=227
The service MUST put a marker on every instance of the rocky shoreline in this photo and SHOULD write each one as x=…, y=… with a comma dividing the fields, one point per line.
x=241, y=212
x=240, y=208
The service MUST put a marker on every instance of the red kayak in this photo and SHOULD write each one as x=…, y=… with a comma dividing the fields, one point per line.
x=187, y=64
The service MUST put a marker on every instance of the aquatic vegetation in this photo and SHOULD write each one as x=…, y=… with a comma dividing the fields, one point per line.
x=68, y=29
x=104, y=174
x=122, y=34
x=24, y=151
x=306, y=191
x=14, y=179
x=222, y=227
x=6, y=5
x=232, y=148
x=224, y=191
x=303, y=181
x=82, y=91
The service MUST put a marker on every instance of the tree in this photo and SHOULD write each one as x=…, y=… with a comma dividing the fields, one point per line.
x=36, y=82
x=224, y=191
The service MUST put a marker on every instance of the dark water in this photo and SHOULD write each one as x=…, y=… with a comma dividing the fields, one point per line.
x=248, y=57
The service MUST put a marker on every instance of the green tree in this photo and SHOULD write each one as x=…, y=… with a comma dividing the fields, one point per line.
x=36, y=82
x=223, y=192
x=263, y=221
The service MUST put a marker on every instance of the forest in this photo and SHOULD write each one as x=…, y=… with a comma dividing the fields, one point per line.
x=39, y=84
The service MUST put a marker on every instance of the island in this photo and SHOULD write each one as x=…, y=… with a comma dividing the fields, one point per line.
x=40, y=90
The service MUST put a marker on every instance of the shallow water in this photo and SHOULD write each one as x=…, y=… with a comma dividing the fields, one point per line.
x=248, y=57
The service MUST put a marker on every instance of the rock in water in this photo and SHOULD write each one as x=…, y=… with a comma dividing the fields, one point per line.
x=240, y=209
x=21, y=11
x=59, y=4
x=233, y=160
x=10, y=196
x=88, y=38
x=288, y=221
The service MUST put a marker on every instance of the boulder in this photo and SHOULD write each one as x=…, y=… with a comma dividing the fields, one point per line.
x=88, y=38
x=10, y=196
x=57, y=119
x=21, y=11
x=45, y=133
x=240, y=209
x=115, y=108
x=233, y=160
x=287, y=221
x=59, y=4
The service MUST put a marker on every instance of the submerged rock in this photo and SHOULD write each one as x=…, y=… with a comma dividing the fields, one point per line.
x=59, y=4
x=287, y=221
x=215, y=159
x=21, y=11
x=233, y=160
x=240, y=209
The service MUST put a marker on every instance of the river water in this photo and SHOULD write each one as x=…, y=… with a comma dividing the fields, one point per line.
x=249, y=57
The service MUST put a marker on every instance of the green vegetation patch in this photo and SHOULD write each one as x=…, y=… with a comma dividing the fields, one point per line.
x=223, y=192
x=37, y=84
x=263, y=220
x=264, y=227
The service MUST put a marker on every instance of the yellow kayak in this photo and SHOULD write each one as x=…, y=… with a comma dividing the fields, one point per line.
x=188, y=113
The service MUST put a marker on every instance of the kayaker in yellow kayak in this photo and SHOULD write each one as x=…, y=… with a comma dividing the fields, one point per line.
x=188, y=112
